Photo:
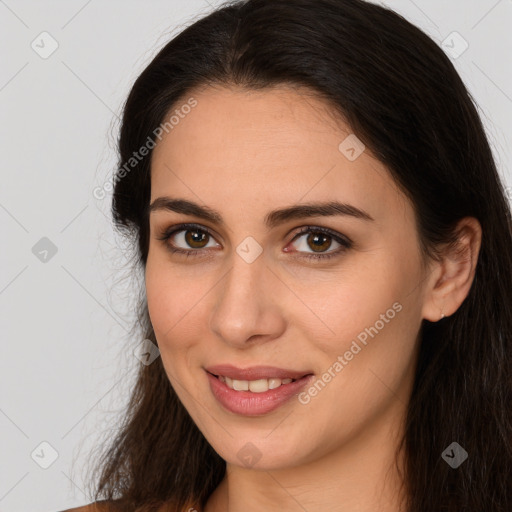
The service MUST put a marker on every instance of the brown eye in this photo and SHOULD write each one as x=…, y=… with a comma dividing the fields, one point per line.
x=187, y=239
x=318, y=240
x=190, y=240
x=195, y=238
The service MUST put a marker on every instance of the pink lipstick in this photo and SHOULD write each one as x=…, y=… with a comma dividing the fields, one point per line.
x=256, y=390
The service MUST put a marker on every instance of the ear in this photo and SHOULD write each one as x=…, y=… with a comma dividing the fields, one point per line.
x=451, y=277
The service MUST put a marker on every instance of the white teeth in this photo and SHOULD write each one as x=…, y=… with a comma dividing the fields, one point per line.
x=256, y=386
x=274, y=383
x=240, y=385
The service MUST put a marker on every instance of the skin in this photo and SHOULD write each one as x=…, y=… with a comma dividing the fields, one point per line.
x=245, y=153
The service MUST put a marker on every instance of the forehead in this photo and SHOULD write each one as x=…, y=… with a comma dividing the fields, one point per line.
x=275, y=146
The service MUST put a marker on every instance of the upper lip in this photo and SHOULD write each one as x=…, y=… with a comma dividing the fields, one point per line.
x=255, y=372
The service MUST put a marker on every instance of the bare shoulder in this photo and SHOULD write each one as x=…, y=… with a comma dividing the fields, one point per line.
x=98, y=506
x=105, y=506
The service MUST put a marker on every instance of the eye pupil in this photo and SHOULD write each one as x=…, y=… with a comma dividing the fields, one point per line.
x=318, y=247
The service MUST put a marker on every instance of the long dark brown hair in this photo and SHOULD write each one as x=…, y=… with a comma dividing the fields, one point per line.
x=401, y=96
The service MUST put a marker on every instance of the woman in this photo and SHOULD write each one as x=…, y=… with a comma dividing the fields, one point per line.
x=326, y=244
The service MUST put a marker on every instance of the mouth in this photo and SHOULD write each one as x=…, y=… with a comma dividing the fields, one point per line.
x=255, y=385
x=256, y=397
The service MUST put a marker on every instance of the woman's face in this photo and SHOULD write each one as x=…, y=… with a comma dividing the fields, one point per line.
x=251, y=294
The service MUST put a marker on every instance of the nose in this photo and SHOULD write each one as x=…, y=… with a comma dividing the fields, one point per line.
x=247, y=309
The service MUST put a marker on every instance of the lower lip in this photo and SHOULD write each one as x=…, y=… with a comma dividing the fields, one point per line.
x=248, y=403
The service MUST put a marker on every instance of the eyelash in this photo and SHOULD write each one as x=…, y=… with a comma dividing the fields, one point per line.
x=345, y=242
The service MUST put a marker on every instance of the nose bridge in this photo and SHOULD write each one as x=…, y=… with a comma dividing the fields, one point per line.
x=244, y=305
x=242, y=288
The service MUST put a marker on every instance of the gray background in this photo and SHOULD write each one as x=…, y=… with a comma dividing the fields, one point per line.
x=67, y=358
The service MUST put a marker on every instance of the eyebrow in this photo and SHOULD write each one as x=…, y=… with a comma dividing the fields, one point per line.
x=272, y=219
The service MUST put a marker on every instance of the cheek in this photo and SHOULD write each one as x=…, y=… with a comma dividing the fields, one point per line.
x=365, y=311
x=367, y=360
x=159, y=297
x=175, y=303
x=345, y=303
x=165, y=299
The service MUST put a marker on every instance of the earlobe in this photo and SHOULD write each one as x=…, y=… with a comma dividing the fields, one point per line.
x=453, y=275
